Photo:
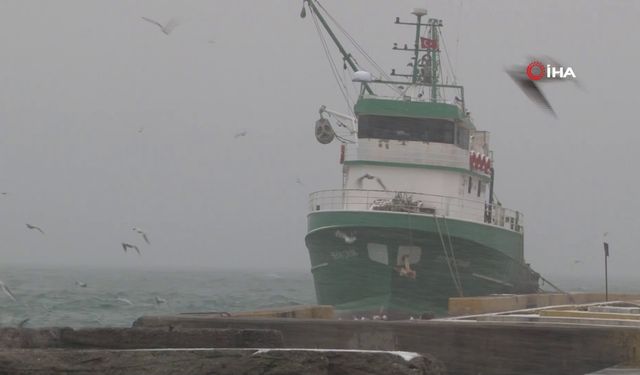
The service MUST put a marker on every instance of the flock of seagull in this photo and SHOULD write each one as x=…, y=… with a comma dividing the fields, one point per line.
x=125, y=246
x=167, y=29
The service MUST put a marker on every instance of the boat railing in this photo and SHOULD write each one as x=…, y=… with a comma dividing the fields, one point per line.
x=418, y=204
x=414, y=93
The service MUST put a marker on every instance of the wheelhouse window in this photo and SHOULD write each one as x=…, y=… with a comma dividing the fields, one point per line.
x=406, y=129
x=462, y=137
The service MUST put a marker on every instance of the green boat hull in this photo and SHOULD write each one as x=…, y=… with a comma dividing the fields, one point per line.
x=359, y=278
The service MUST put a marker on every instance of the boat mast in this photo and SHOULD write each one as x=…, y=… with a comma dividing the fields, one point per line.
x=416, y=46
x=345, y=55
x=435, y=56
x=429, y=74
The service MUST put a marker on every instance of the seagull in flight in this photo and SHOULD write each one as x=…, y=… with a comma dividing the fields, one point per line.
x=124, y=300
x=81, y=284
x=241, y=134
x=348, y=238
x=126, y=246
x=6, y=291
x=142, y=233
x=23, y=322
x=370, y=177
x=160, y=300
x=34, y=228
x=530, y=87
x=168, y=28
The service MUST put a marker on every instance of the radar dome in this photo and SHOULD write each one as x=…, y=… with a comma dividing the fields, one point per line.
x=362, y=76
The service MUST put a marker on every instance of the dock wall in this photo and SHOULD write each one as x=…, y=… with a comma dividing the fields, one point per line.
x=464, y=347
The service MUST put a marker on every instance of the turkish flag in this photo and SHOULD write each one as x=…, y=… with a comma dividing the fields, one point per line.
x=427, y=43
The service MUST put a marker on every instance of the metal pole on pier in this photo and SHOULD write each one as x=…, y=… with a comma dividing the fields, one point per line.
x=606, y=275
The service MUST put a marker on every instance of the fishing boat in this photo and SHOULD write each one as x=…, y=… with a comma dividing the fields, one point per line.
x=416, y=220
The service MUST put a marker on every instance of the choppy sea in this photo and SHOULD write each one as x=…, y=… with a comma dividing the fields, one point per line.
x=116, y=297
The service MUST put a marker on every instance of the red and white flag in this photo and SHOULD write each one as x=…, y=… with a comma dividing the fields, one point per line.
x=427, y=43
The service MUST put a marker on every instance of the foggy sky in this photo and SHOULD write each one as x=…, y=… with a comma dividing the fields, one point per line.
x=80, y=79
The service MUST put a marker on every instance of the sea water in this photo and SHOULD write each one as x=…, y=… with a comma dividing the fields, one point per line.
x=49, y=296
x=116, y=297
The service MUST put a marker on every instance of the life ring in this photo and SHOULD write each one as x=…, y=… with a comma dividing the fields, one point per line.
x=342, y=152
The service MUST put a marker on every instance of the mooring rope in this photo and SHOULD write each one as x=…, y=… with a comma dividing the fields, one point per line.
x=453, y=255
x=446, y=254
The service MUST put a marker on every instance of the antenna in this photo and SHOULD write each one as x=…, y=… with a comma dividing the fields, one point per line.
x=426, y=68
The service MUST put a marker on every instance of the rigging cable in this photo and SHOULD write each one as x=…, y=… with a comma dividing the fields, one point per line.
x=360, y=49
x=334, y=70
x=460, y=15
x=344, y=140
x=453, y=73
x=446, y=254
x=453, y=255
x=355, y=43
x=346, y=78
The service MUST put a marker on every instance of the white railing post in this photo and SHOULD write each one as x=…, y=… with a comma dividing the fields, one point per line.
x=447, y=210
x=367, y=204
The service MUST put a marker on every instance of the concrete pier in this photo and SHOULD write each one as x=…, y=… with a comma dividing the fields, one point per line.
x=138, y=338
x=567, y=339
x=214, y=361
x=184, y=350
x=464, y=346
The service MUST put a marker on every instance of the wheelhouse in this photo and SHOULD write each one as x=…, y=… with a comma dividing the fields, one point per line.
x=413, y=129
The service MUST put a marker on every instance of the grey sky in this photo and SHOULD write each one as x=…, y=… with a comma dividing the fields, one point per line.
x=79, y=79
